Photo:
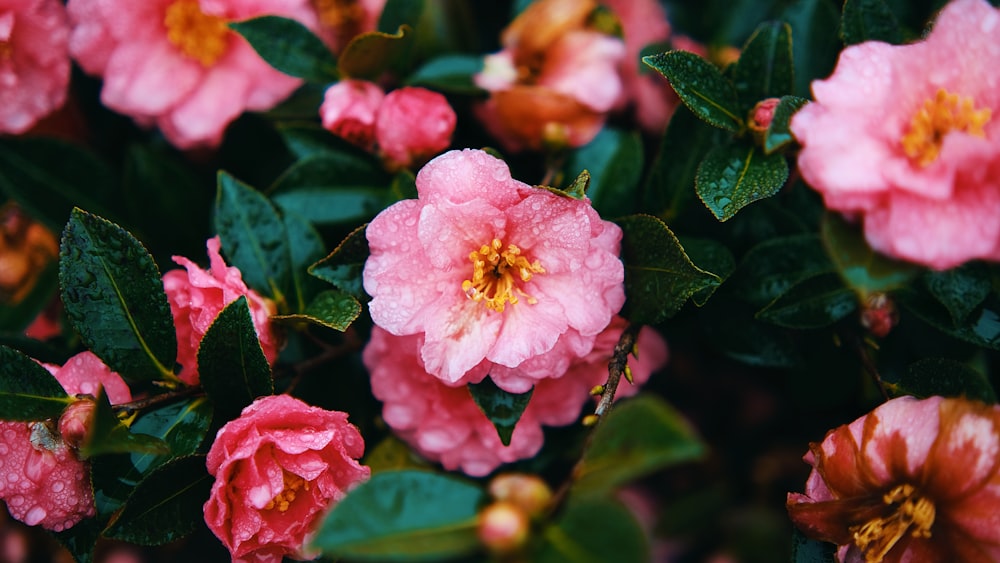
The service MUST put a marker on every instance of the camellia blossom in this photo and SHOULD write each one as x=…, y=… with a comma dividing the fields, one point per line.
x=44, y=482
x=278, y=468
x=197, y=296
x=484, y=267
x=34, y=61
x=176, y=63
x=348, y=111
x=412, y=125
x=908, y=138
x=913, y=480
x=444, y=423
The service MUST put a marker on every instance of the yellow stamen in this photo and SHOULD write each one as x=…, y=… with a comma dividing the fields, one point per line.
x=493, y=275
x=910, y=512
x=283, y=500
x=944, y=113
x=200, y=36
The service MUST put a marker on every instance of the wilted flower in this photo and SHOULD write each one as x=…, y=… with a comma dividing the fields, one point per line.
x=484, y=267
x=413, y=125
x=907, y=137
x=913, y=480
x=278, y=468
x=348, y=111
x=197, y=296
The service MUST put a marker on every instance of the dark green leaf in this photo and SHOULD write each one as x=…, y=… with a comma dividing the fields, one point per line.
x=778, y=133
x=641, y=435
x=27, y=390
x=805, y=550
x=370, y=54
x=403, y=516
x=404, y=185
x=747, y=340
x=231, y=363
x=81, y=539
x=710, y=256
x=400, y=12
x=592, y=530
x=765, y=66
x=734, y=176
x=614, y=160
x=948, y=378
x=290, y=47
x=328, y=206
x=814, y=303
x=106, y=434
x=307, y=139
x=814, y=27
x=701, y=87
x=305, y=246
x=331, y=309
x=166, y=505
x=114, y=298
x=449, y=73
x=960, y=289
x=253, y=237
x=344, y=266
x=330, y=168
x=392, y=454
x=659, y=275
x=502, y=408
x=861, y=267
x=181, y=425
x=869, y=20
x=982, y=328
x=772, y=267
x=671, y=180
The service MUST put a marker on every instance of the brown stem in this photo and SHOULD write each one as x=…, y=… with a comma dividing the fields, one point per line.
x=183, y=392
x=350, y=344
x=869, y=367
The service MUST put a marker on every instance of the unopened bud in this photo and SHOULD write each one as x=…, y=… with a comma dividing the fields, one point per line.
x=527, y=492
x=762, y=114
x=627, y=372
x=597, y=390
x=75, y=421
x=503, y=527
x=879, y=314
x=590, y=419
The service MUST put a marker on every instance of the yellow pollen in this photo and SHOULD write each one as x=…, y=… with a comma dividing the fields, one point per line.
x=198, y=35
x=909, y=512
x=495, y=275
x=283, y=500
x=944, y=113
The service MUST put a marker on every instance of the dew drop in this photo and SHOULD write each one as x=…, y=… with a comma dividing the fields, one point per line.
x=35, y=515
x=58, y=487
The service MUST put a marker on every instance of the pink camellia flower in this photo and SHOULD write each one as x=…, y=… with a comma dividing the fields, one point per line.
x=348, y=111
x=484, y=267
x=342, y=20
x=278, y=468
x=34, y=61
x=913, y=480
x=413, y=125
x=908, y=138
x=176, y=63
x=444, y=423
x=45, y=483
x=197, y=296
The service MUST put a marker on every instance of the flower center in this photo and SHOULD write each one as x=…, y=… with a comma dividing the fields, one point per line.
x=495, y=275
x=940, y=115
x=293, y=484
x=200, y=36
x=907, y=511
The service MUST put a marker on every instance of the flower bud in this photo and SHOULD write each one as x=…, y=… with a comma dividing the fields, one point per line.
x=349, y=109
x=762, y=114
x=503, y=527
x=412, y=125
x=75, y=420
x=529, y=493
x=879, y=314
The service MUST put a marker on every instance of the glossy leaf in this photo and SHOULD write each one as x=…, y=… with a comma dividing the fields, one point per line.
x=671, y=180
x=503, y=409
x=960, y=289
x=403, y=516
x=659, y=275
x=231, y=363
x=778, y=134
x=805, y=550
x=290, y=47
x=343, y=267
x=813, y=303
x=182, y=425
x=330, y=206
x=308, y=139
x=577, y=189
x=330, y=168
x=331, y=309
x=710, y=256
x=981, y=328
x=772, y=267
x=370, y=54
x=305, y=246
x=764, y=69
x=106, y=434
x=449, y=73
x=701, y=87
x=591, y=530
x=114, y=298
x=734, y=176
x=166, y=505
x=27, y=390
x=641, y=435
x=869, y=20
x=861, y=267
x=614, y=160
x=81, y=539
x=733, y=331
x=948, y=378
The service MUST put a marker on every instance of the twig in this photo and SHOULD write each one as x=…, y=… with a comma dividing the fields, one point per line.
x=134, y=406
x=869, y=366
x=617, y=366
x=350, y=344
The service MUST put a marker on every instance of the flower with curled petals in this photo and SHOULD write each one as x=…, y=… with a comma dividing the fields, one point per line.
x=913, y=480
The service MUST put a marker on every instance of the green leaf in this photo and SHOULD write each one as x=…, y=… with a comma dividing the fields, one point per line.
x=733, y=331
x=27, y=390
x=307, y=139
x=449, y=73
x=861, y=267
x=344, y=266
x=81, y=539
x=591, y=530
x=231, y=363
x=640, y=436
x=403, y=516
x=701, y=87
x=814, y=27
x=370, y=54
x=330, y=168
x=734, y=176
x=331, y=309
x=332, y=206
x=183, y=426
x=253, y=237
x=502, y=408
x=778, y=133
x=106, y=434
x=805, y=550
x=614, y=160
x=166, y=505
x=576, y=190
x=659, y=275
x=114, y=298
x=305, y=246
x=948, y=378
x=670, y=185
x=772, y=267
x=813, y=303
x=982, y=328
x=960, y=289
x=869, y=20
x=290, y=47
x=765, y=66
x=400, y=12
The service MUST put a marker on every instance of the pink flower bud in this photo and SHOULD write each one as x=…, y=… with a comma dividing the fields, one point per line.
x=413, y=125
x=503, y=527
x=75, y=420
x=529, y=493
x=348, y=111
x=762, y=114
x=879, y=315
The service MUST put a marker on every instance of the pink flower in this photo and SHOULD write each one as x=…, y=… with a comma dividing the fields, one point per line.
x=34, y=61
x=197, y=296
x=278, y=468
x=908, y=138
x=342, y=20
x=443, y=422
x=413, y=125
x=484, y=267
x=176, y=64
x=348, y=111
x=44, y=482
x=913, y=480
